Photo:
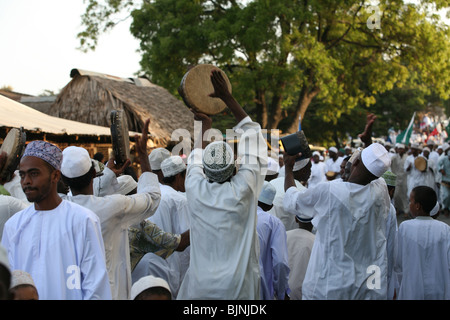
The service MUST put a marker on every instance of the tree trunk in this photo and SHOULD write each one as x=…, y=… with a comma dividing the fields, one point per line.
x=275, y=108
x=305, y=98
x=261, y=104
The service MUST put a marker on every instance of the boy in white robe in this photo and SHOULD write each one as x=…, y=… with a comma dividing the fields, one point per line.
x=423, y=251
x=349, y=258
x=57, y=242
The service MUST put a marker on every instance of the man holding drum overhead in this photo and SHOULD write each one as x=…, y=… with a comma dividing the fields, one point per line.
x=224, y=243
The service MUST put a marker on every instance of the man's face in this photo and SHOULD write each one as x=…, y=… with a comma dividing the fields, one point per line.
x=35, y=178
x=415, y=152
x=316, y=159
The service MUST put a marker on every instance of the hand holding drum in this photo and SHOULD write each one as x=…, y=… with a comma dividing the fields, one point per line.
x=198, y=91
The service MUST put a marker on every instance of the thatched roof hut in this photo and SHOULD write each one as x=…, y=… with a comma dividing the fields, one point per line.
x=90, y=97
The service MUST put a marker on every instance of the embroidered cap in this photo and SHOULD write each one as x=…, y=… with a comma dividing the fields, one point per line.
x=172, y=166
x=218, y=161
x=45, y=151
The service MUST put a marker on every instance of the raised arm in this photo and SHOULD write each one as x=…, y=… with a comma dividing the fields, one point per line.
x=366, y=136
x=289, y=162
x=141, y=147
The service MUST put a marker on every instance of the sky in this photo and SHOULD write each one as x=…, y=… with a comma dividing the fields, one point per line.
x=39, y=46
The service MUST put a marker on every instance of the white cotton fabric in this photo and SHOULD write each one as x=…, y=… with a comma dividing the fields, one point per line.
x=62, y=249
x=299, y=246
x=117, y=213
x=273, y=256
x=350, y=244
x=318, y=174
x=416, y=177
x=224, y=243
x=278, y=208
x=10, y=205
x=173, y=216
x=423, y=261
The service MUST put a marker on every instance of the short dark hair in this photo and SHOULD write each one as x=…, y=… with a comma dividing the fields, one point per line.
x=160, y=291
x=79, y=182
x=426, y=197
x=170, y=180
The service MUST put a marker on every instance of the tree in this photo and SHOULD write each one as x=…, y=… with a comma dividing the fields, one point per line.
x=282, y=55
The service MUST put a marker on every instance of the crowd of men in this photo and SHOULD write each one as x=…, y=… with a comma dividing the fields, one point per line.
x=225, y=223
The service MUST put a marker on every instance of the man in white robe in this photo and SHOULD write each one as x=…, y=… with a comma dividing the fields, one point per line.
x=224, y=260
x=299, y=243
x=172, y=214
x=273, y=257
x=397, y=167
x=116, y=212
x=415, y=177
x=423, y=261
x=349, y=257
x=57, y=242
x=302, y=172
x=333, y=163
x=318, y=171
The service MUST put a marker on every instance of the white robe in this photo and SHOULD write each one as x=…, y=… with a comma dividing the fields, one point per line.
x=299, y=244
x=117, y=213
x=278, y=209
x=318, y=174
x=10, y=205
x=349, y=256
x=334, y=166
x=273, y=256
x=224, y=260
x=423, y=261
x=401, y=198
x=62, y=249
x=391, y=247
x=416, y=177
x=172, y=216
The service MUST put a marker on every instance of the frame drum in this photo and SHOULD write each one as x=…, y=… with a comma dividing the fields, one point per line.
x=421, y=164
x=14, y=146
x=196, y=86
x=120, y=136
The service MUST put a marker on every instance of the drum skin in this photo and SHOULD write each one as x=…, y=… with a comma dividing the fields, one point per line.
x=196, y=86
x=420, y=164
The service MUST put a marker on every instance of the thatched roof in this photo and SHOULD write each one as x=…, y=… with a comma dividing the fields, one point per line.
x=90, y=97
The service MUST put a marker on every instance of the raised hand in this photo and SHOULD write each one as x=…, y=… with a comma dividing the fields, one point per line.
x=220, y=85
x=141, y=147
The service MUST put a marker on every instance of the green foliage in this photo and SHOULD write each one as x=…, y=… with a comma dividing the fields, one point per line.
x=285, y=57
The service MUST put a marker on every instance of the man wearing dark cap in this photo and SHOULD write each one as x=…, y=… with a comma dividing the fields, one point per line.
x=348, y=259
x=59, y=243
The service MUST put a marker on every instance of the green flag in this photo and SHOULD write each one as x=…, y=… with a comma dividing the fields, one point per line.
x=406, y=134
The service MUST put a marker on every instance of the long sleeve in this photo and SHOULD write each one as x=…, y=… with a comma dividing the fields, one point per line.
x=94, y=280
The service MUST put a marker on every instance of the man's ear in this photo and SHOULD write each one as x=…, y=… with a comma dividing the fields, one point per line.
x=56, y=176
